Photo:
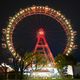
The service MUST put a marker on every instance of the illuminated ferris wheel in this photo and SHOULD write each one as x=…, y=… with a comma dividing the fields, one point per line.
x=43, y=10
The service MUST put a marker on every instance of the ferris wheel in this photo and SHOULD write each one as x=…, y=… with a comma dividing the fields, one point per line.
x=43, y=10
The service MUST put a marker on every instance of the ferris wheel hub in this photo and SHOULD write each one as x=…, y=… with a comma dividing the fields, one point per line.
x=41, y=31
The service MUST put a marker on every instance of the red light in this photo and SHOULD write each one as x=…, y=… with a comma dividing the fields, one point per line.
x=41, y=31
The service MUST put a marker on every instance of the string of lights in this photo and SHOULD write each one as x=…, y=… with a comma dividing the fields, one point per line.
x=44, y=10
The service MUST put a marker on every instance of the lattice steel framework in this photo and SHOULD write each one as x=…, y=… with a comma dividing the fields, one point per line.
x=42, y=46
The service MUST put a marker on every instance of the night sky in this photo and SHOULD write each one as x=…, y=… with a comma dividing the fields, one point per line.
x=24, y=37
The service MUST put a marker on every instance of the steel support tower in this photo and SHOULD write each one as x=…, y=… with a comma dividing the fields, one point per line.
x=42, y=46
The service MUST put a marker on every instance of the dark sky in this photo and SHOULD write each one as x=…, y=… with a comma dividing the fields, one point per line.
x=70, y=8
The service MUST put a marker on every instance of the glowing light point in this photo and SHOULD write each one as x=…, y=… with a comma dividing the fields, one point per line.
x=41, y=31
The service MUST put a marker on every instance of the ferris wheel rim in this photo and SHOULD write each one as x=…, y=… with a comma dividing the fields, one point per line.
x=56, y=15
